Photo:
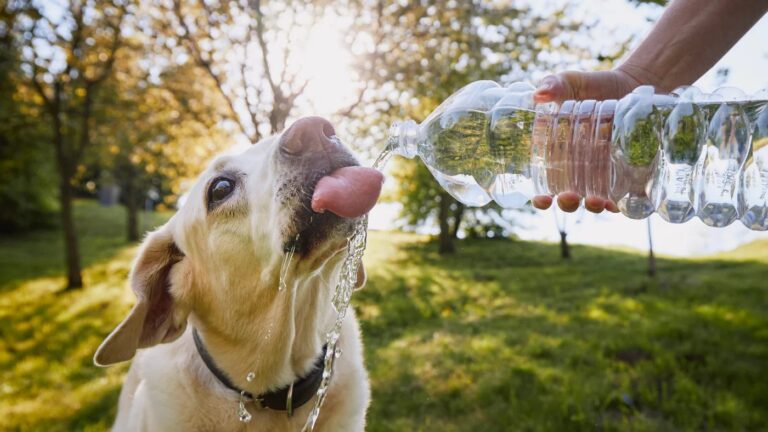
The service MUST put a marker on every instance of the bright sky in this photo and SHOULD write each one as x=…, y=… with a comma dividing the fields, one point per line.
x=748, y=65
x=328, y=65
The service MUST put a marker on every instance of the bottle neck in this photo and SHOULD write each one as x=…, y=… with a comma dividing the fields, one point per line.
x=403, y=138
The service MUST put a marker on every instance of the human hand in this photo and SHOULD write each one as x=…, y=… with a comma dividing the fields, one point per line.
x=574, y=85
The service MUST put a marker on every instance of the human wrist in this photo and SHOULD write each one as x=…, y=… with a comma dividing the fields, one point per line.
x=631, y=76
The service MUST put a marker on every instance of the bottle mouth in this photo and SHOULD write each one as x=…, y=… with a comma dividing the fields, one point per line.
x=394, y=135
x=403, y=138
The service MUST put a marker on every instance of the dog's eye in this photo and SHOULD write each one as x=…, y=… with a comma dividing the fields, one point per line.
x=220, y=189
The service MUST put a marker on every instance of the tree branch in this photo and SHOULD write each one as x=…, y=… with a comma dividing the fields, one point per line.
x=114, y=47
x=250, y=105
x=47, y=102
x=373, y=55
x=276, y=91
x=287, y=49
x=85, y=122
x=206, y=65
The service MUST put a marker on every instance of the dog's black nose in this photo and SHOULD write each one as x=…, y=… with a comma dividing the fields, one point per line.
x=308, y=134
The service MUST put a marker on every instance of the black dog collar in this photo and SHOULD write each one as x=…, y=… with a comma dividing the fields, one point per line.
x=287, y=398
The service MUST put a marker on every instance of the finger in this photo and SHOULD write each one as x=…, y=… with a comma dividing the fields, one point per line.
x=542, y=202
x=568, y=201
x=551, y=89
x=594, y=204
x=611, y=207
x=599, y=85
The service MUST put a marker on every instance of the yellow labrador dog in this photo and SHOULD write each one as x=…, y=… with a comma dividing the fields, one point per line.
x=211, y=324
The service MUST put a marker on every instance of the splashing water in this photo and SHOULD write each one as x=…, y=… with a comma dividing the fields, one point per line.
x=287, y=258
x=342, y=295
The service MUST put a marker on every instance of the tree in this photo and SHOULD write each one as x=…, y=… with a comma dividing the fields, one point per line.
x=246, y=50
x=68, y=53
x=651, y=256
x=561, y=223
x=417, y=53
x=156, y=132
x=26, y=200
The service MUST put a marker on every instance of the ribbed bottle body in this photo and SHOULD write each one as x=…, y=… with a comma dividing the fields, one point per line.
x=681, y=155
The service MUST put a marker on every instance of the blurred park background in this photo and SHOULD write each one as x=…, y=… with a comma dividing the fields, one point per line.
x=472, y=318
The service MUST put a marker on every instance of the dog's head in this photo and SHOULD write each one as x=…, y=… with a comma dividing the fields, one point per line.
x=301, y=190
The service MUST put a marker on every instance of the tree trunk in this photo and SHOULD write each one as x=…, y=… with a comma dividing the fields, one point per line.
x=446, y=238
x=565, y=250
x=458, y=216
x=132, y=210
x=63, y=164
x=71, y=247
x=651, y=256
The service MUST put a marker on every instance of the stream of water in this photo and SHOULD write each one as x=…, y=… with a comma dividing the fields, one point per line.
x=342, y=295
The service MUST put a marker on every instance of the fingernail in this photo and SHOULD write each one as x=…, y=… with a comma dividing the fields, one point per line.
x=548, y=83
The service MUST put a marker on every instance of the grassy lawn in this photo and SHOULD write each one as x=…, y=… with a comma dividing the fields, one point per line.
x=502, y=336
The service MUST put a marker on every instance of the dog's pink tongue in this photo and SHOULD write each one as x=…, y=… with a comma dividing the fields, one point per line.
x=348, y=192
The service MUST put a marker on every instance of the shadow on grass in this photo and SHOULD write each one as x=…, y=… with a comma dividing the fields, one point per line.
x=501, y=336
x=101, y=231
x=48, y=336
x=48, y=379
x=506, y=336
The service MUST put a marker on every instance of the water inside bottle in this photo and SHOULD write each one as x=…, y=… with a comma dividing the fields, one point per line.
x=754, y=191
x=456, y=153
x=682, y=143
x=510, y=145
x=727, y=148
x=571, y=149
x=682, y=155
x=477, y=156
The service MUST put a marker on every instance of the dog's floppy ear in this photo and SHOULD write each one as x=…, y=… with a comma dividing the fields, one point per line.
x=155, y=318
x=362, y=276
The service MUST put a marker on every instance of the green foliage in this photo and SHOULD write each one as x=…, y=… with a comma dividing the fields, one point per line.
x=459, y=142
x=122, y=117
x=27, y=180
x=417, y=200
x=686, y=143
x=502, y=336
x=27, y=174
x=157, y=134
x=423, y=52
x=510, y=138
x=640, y=143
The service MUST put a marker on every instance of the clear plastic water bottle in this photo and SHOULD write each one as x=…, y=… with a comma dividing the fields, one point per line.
x=682, y=154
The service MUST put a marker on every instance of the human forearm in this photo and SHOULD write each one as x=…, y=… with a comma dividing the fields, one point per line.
x=690, y=37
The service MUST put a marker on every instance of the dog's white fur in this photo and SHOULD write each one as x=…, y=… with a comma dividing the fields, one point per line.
x=221, y=271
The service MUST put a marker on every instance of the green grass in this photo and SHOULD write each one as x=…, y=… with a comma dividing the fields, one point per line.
x=502, y=336
x=48, y=336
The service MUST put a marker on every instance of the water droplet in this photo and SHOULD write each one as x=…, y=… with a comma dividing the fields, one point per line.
x=250, y=377
x=242, y=414
x=287, y=258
